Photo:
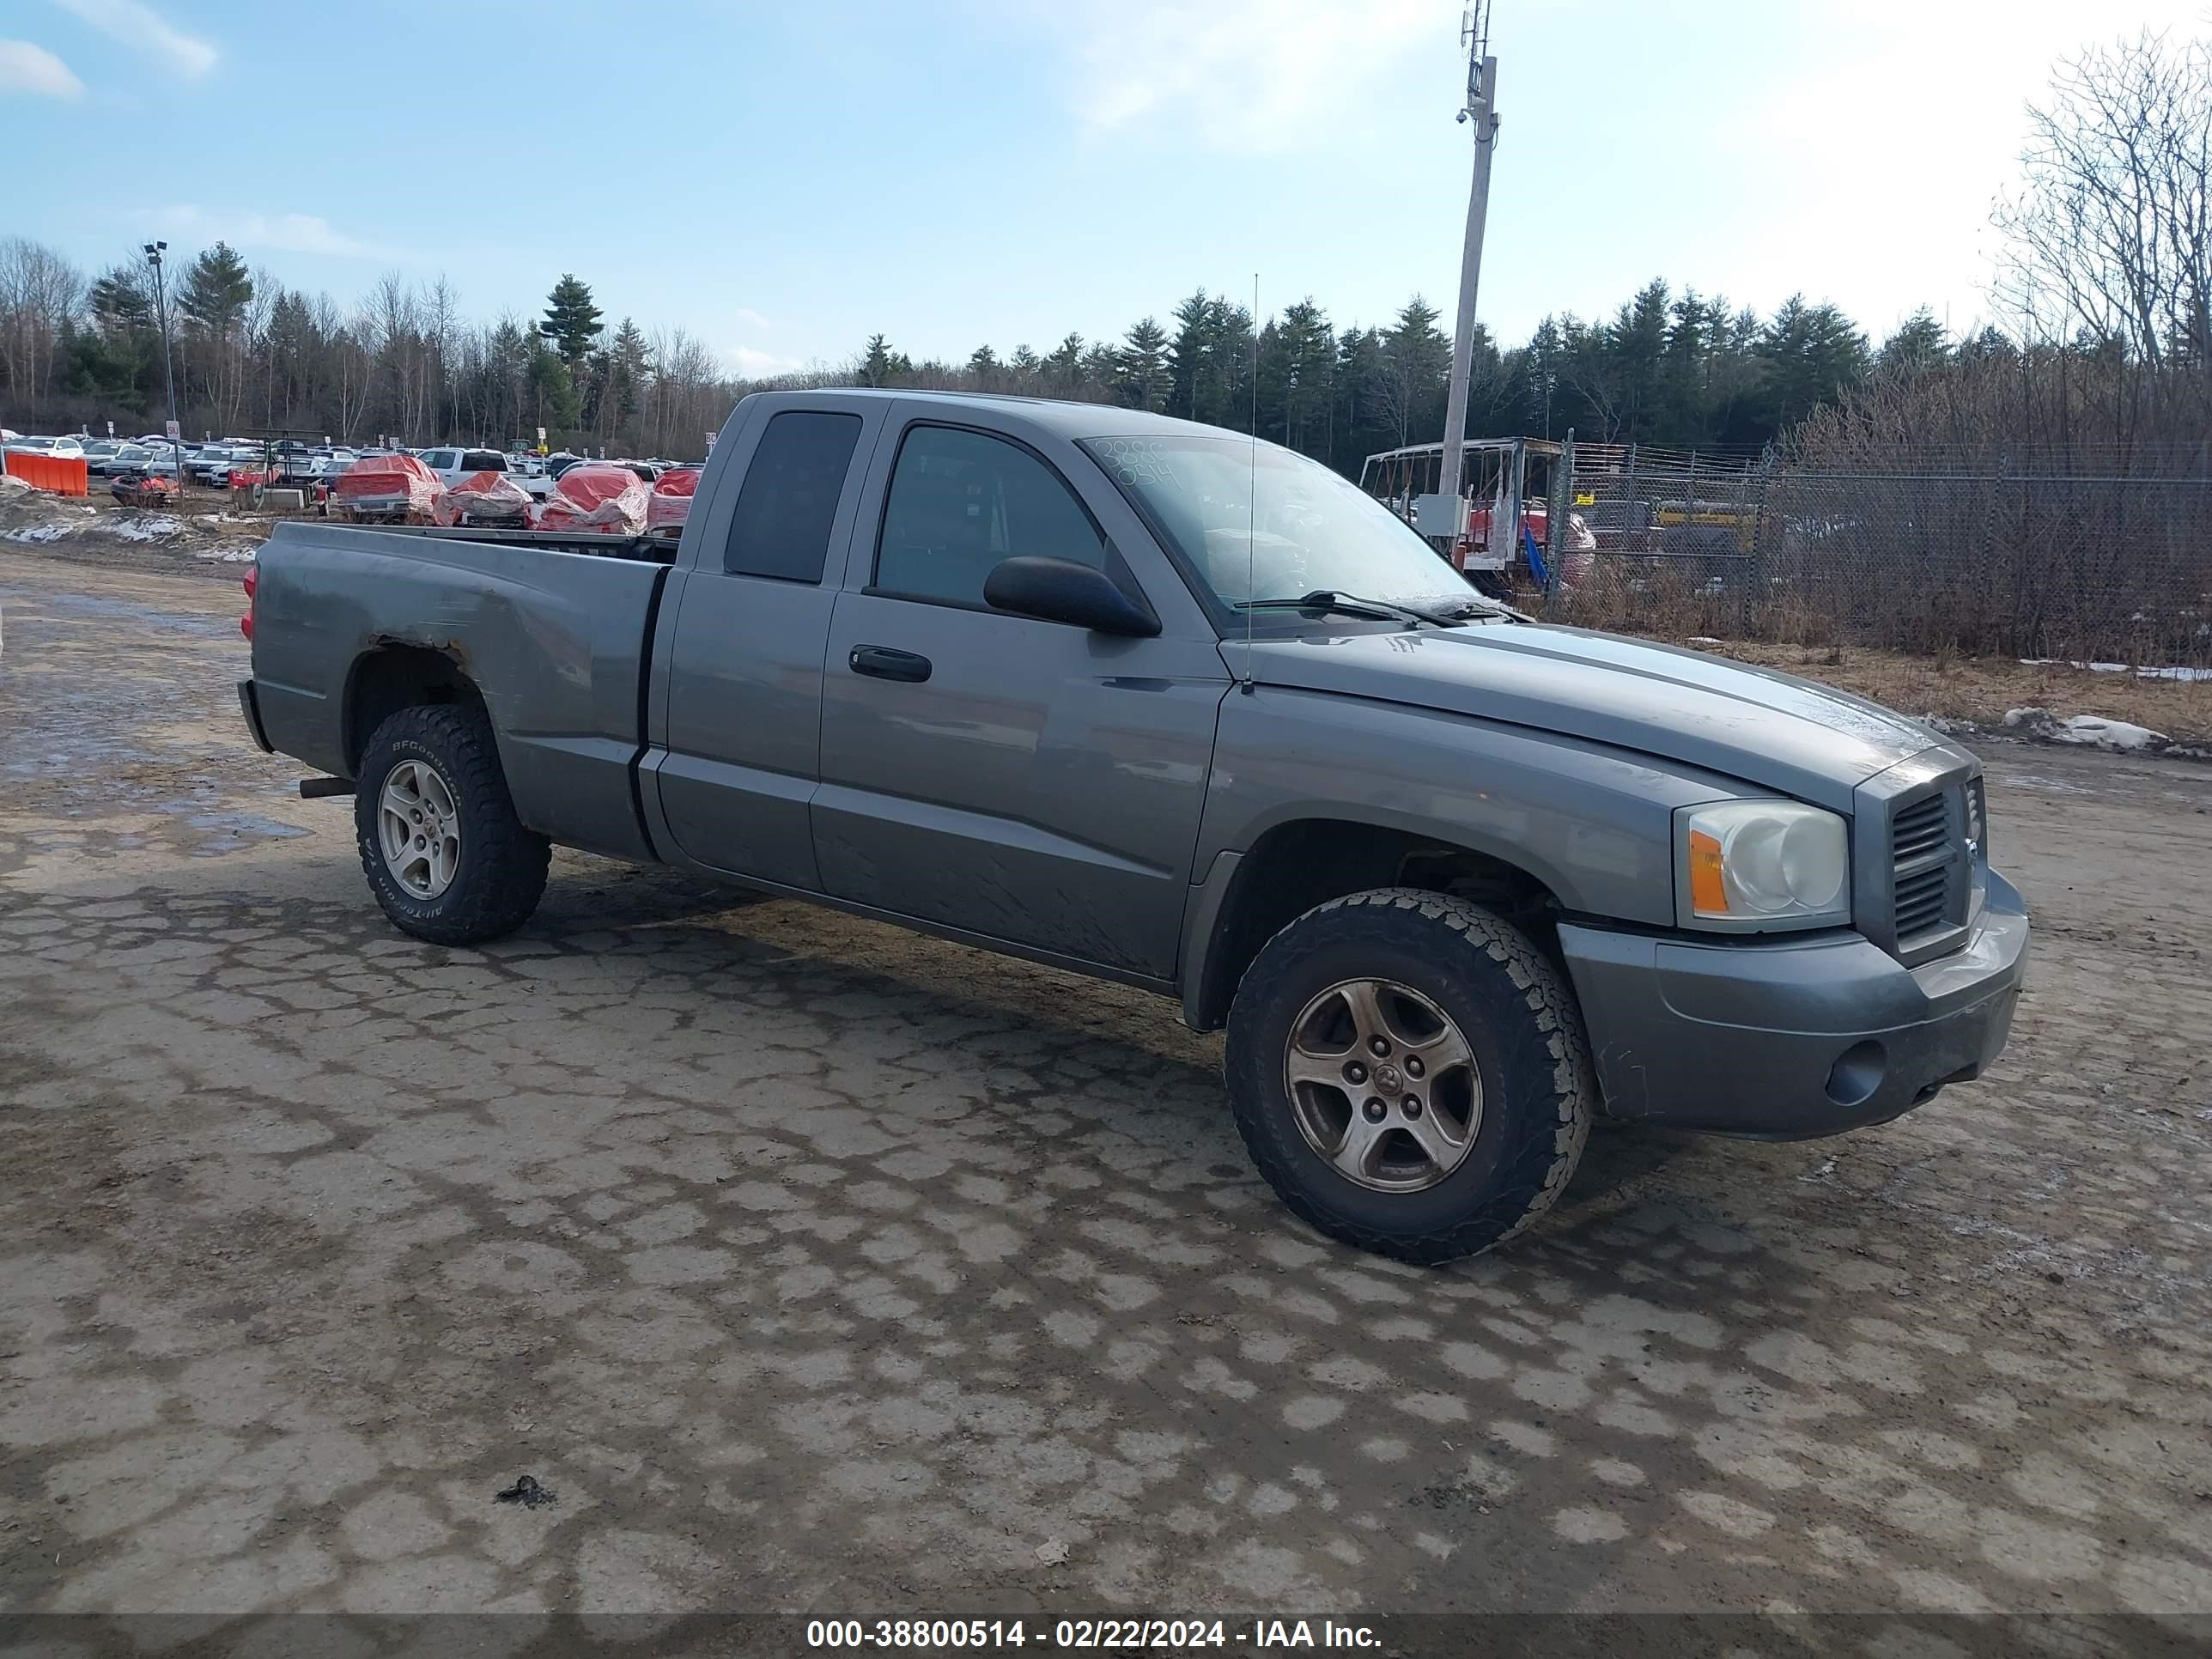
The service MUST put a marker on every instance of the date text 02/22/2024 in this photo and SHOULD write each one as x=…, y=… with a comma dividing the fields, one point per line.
x=1125, y=1634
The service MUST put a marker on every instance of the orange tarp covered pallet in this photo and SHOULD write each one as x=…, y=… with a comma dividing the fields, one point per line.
x=64, y=477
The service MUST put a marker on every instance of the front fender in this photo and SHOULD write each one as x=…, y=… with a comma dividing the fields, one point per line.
x=1594, y=824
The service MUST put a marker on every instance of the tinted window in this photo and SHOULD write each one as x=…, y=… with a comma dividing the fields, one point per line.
x=482, y=460
x=438, y=460
x=781, y=526
x=960, y=502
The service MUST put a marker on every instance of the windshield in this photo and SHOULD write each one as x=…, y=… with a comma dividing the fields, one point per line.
x=1263, y=522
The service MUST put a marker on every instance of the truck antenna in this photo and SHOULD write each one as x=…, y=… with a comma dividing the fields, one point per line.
x=1252, y=497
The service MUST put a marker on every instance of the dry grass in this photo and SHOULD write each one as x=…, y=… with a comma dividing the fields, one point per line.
x=1981, y=688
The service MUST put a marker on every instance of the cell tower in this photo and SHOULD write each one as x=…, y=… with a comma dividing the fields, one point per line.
x=1481, y=110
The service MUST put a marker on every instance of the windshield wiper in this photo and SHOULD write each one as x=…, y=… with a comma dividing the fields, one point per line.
x=1470, y=606
x=1351, y=605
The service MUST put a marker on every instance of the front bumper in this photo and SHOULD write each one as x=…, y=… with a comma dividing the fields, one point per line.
x=1788, y=1039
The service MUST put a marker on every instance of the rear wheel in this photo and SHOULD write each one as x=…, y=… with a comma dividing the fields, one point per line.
x=444, y=853
x=1410, y=1073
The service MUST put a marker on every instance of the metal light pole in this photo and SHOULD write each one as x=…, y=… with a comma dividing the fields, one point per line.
x=1482, y=110
x=153, y=252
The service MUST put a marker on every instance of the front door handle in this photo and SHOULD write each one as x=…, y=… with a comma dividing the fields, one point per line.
x=884, y=663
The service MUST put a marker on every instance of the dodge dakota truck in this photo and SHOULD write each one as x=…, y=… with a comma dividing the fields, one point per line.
x=1167, y=706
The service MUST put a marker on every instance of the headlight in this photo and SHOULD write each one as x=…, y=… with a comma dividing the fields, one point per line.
x=1745, y=866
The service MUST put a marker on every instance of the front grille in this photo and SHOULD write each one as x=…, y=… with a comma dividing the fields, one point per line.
x=1927, y=872
x=1920, y=829
x=1921, y=901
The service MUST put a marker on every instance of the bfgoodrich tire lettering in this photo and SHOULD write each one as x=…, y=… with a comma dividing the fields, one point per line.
x=1519, y=1019
x=501, y=872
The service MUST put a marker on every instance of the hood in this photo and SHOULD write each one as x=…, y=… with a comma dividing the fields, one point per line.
x=1769, y=728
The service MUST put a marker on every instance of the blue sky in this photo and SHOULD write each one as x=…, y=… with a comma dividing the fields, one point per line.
x=783, y=179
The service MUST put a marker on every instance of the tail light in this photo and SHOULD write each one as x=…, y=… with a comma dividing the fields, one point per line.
x=252, y=581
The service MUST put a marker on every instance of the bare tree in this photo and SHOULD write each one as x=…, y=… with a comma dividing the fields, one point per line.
x=2106, y=240
x=41, y=295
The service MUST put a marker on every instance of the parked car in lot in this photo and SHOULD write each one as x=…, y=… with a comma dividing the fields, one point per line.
x=452, y=465
x=1164, y=706
x=211, y=463
x=117, y=458
x=62, y=449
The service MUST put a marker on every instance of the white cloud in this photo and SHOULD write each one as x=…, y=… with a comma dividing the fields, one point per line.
x=752, y=317
x=755, y=365
x=288, y=232
x=31, y=70
x=136, y=24
x=1250, y=76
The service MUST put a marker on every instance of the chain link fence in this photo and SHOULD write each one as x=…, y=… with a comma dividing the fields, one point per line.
x=2034, y=564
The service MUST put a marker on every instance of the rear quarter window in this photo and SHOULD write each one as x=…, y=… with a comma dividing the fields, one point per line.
x=788, y=500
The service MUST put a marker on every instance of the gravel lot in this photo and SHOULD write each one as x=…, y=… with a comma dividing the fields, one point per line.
x=821, y=1267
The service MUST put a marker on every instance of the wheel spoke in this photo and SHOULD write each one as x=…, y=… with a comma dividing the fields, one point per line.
x=1438, y=1054
x=1302, y=1065
x=1439, y=1140
x=1355, y=1153
x=1366, y=1011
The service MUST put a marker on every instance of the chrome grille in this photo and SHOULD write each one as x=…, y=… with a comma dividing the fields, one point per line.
x=1928, y=867
x=1921, y=900
x=1920, y=829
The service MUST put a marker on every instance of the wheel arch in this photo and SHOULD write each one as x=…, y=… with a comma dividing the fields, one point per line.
x=391, y=676
x=1250, y=896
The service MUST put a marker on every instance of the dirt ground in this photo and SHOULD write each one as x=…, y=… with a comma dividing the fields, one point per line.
x=821, y=1267
x=1983, y=689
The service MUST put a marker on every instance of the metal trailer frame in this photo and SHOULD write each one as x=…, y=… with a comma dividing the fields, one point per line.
x=1397, y=477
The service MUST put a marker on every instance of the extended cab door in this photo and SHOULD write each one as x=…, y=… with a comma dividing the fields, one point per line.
x=1029, y=781
x=740, y=676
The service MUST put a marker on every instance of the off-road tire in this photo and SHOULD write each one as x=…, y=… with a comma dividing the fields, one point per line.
x=1520, y=1019
x=501, y=871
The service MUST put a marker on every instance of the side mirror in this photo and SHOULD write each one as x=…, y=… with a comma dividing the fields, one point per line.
x=1064, y=591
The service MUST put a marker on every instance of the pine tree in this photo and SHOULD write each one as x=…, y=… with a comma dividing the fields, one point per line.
x=120, y=299
x=1189, y=355
x=629, y=362
x=1145, y=380
x=1416, y=372
x=1064, y=367
x=216, y=291
x=983, y=365
x=1920, y=343
x=571, y=321
x=878, y=364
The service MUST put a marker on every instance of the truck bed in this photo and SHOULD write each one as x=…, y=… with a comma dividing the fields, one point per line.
x=648, y=550
x=553, y=630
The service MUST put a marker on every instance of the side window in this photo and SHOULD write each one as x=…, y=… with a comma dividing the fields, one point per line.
x=960, y=502
x=438, y=460
x=789, y=497
x=482, y=460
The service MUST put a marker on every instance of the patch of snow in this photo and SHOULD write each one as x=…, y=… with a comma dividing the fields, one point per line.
x=2176, y=672
x=41, y=532
x=2093, y=730
x=1703, y=639
x=158, y=528
x=229, y=555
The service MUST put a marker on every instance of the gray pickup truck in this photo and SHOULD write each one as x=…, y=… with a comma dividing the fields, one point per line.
x=1157, y=703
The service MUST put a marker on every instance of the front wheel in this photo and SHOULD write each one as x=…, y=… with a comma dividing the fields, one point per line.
x=1410, y=1074
x=444, y=853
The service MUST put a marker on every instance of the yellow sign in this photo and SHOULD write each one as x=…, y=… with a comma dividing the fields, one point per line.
x=1585, y=498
